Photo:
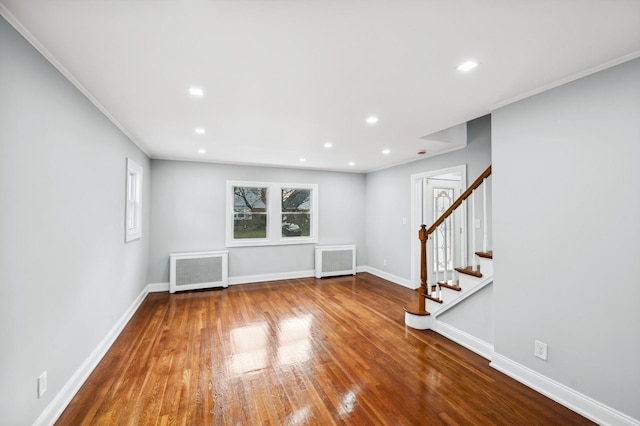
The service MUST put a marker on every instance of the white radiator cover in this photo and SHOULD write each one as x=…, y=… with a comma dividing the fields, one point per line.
x=192, y=271
x=335, y=260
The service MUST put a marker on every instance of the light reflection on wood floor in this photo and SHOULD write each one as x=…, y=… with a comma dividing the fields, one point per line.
x=295, y=352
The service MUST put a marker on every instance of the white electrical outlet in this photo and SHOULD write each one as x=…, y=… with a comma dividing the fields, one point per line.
x=540, y=350
x=42, y=384
x=384, y=262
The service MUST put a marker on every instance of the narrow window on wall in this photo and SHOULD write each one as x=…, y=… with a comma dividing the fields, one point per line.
x=266, y=213
x=133, y=214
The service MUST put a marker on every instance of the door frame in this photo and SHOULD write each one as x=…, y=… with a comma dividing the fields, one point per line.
x=416, y=212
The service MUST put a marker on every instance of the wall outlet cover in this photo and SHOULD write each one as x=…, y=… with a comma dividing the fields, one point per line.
x=540, y=350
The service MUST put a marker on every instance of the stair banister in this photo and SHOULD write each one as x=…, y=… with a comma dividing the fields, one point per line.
x=473, y=229
x=423, y=235
x=485, y=228
x=457, y=202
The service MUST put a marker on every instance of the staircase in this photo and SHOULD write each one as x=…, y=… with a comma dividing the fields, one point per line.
x=436, y=295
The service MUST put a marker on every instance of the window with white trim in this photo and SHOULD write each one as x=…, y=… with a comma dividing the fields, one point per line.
x=133, y=213
x=268, y=213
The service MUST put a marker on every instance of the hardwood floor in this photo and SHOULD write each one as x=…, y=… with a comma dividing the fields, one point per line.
x=307, y=351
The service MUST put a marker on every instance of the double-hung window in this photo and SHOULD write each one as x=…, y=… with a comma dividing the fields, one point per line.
x=267, y=213
x=133, y=213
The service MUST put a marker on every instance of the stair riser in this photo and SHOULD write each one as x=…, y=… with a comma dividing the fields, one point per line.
x=467, y=282
x=486, y=266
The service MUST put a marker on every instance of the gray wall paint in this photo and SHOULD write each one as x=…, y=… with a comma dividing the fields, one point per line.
x=566, y=228
x=188, y=214
x=388, y=199
x=474, y=315
x=67, y=275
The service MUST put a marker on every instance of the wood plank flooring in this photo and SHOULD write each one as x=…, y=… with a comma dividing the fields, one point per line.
x=307, y=351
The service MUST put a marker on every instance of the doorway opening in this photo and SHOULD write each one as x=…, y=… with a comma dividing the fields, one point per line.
x=431, y=195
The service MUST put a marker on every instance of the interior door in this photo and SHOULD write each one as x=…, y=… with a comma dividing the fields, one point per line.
x=438, y=195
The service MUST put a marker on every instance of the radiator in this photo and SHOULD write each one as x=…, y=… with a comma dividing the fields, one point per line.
x=335, y=260
x=191, y=271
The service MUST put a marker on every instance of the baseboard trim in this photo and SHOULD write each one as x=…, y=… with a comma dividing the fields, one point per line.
x=247, y=279
x=73, y=385
x=389, y=277
x=570, y=398
x=157, y=287
x=465, y=339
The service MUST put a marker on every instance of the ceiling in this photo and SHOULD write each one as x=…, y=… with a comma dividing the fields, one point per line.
x=283, y=77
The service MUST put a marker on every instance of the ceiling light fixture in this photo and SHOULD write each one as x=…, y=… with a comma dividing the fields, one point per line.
x=351, y=163
x=386, y=151
x=200, y=130
x=468, y=66
x=328, y=145
x=196, y=91
x=302, y=159
x=372, y=120
x=202, y=151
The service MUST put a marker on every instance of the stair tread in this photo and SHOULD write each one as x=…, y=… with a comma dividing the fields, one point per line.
x=454, y=287
x=485, y=254
x=469, y=271
x=430, y=297
x=415, y=310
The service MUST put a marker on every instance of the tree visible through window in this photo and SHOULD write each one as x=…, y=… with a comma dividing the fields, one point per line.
x=262, y=213
x=296, y=217
x=249, y=212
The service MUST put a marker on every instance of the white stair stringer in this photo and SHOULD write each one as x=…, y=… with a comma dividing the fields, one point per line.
x=469, y=285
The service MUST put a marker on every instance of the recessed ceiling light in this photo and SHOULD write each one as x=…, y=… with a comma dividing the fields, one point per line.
x=302, y=159
x=351, y=163
x=386, y=151
x=202, y=151
x=468, y=66
x=200, y=130
x=196, y=91
x=372, y=120
x=328, y=145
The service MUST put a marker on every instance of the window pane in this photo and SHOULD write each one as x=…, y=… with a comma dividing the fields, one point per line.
x=443, y=199
x=249, y=212
x=296, y=216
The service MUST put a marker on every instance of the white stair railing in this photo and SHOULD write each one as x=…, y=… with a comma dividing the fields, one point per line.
x=485, y=228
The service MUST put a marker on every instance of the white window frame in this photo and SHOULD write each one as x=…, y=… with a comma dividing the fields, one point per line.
x=133, y=206
x=274, y=215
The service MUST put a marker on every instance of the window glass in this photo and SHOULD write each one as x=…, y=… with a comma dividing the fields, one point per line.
x=133, y=207
x=249, y=212
x=296, y=212
x=269, y=213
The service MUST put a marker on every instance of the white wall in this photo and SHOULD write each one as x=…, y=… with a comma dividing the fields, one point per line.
x=66, y=274
x=188, y=214
x=473, y=316
x=566, y=232
x=388, y=200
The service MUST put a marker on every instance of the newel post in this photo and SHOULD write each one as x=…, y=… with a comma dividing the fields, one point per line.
x=422, y=235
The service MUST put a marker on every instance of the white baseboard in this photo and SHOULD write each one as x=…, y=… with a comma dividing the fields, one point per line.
x=245, y=279
x=68, y=391
x=570, y=398
x=389, y=277
x=465, y=339
x=157, y=287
